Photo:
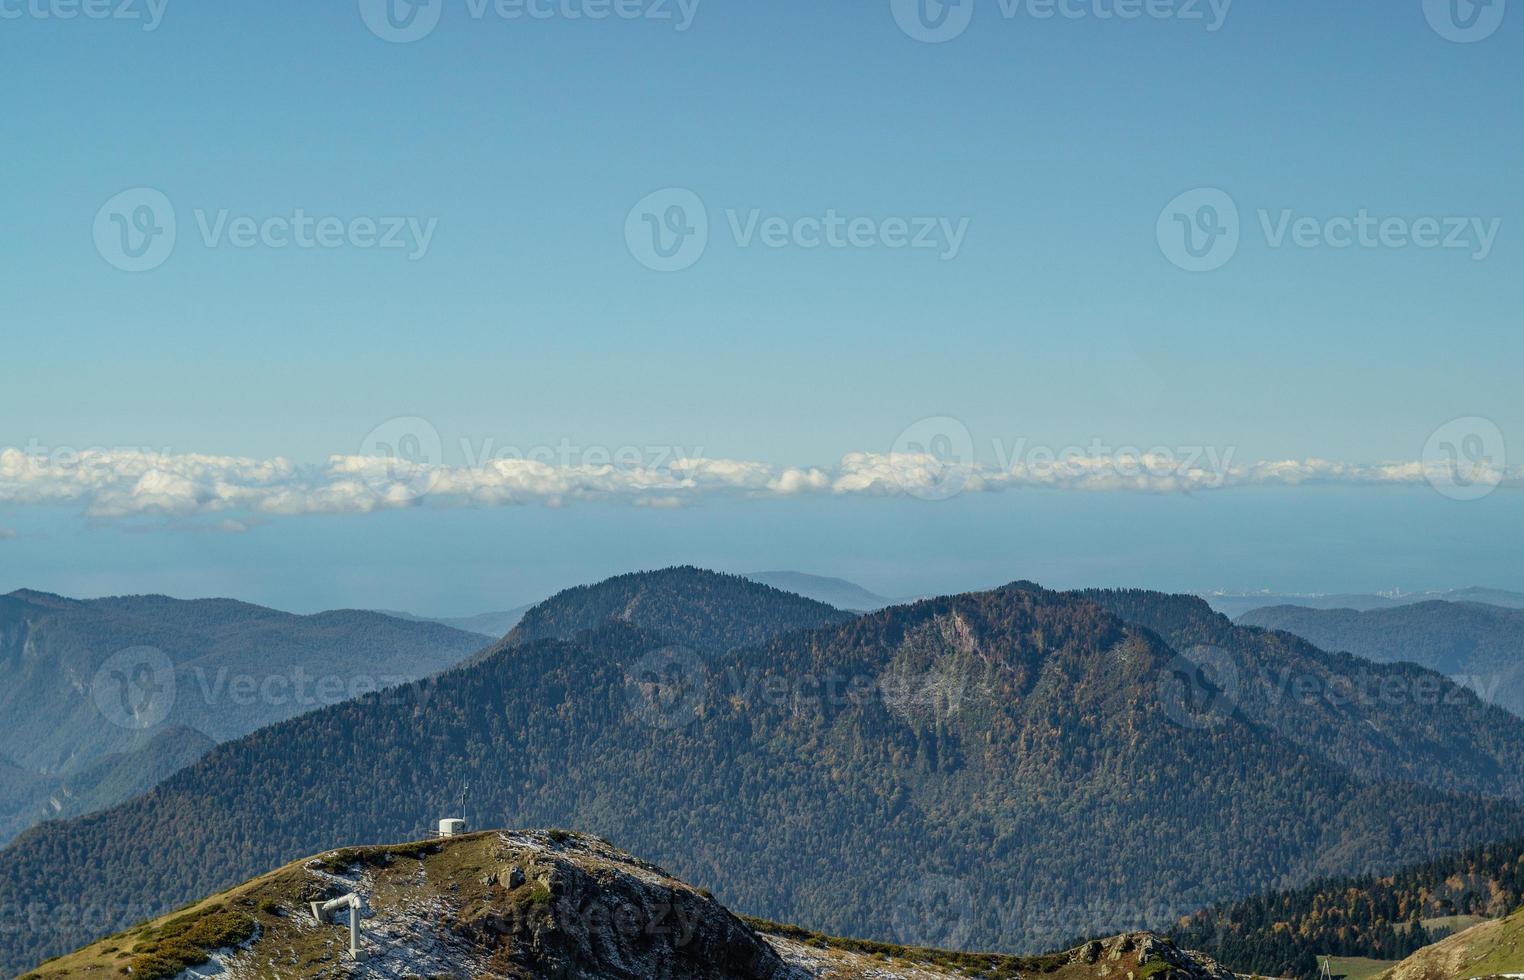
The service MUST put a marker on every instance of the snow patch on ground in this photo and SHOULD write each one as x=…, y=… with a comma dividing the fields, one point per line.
x=221, y=962
x=404, y=939
x=523, y=841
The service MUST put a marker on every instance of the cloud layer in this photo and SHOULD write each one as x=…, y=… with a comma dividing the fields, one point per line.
x=124, y=483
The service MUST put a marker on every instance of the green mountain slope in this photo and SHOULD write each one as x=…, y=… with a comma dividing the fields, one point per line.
x=22, y=796
x=1396, y=722
x=1005, y=757
x=124, y=775
x=31, y=797
x=1484, y=644
x=105, y=679
x=707, y=611
x=1488, y=949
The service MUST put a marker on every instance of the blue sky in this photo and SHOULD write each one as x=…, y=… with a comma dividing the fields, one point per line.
x=525, y=143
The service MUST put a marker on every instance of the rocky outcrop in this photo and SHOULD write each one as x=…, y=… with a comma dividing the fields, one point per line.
x=1140, y=955
x=573, y=907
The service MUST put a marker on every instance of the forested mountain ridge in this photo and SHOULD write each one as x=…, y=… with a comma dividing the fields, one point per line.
x=1382, y=721
x=92, y=680
x=1377, y=916
x=1236, y=605
x=710, y=612
x=1012, y=751
x=1483, y=645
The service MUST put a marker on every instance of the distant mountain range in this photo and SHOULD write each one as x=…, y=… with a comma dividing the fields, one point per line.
x=102, y=698
x=1048, y=764
x=1235, y=604
x=493, y=624
x=847, y=595
x=1479, y=645
x=836, y=592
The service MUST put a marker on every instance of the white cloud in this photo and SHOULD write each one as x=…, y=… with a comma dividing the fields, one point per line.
x=6, y=534
x=124, y=483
